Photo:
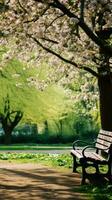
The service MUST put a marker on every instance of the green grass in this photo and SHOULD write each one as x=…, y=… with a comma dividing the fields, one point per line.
x=55, y=160
x=34, y=147
x=98, y=193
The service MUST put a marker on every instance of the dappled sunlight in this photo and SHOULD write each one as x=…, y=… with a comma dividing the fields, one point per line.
x=38, y=182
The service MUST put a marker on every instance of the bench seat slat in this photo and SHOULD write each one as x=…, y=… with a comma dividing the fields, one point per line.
x=77, y=153
x=93, y=155
x=102, y=147
x=107, y=133
x=103, y=142
x=105, y=138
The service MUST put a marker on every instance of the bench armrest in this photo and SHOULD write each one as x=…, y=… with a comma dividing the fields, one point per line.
x=87, y=147
x=91, y=147
x=81, y=141
x=76, y=142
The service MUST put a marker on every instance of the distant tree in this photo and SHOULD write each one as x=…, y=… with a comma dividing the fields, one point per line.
x=9, y=119
x=21, y=85
x=46, y=127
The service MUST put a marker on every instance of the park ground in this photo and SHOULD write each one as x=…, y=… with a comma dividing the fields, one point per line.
x=31, y=181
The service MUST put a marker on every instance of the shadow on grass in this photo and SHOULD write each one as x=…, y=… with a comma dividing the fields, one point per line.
x=98, y=187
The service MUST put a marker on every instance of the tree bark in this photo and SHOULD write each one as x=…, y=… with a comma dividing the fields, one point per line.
x=46, y=130
x=7, y=139
x=8, y=133
x=105, y=98
x=9, y=120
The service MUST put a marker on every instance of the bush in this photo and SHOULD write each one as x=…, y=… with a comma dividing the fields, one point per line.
x=24, y=138
x=74, y=127
x=85, y=128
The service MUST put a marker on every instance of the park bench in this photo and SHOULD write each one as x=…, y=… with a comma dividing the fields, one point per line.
x=96, y=154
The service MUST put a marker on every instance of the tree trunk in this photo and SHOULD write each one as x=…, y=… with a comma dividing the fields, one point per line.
x=46, y=130
x=105, y=91
x=61, y=127
x=105, y=82
x=8, y=136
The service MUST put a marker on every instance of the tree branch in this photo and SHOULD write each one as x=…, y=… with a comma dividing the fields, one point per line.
x=37, y=17
x=62, y=58
x=54, y=20
x=82, y=4
x=90, y=71
x=49, y=40
x=22, y=7
x=52, y=52
x=17, y=118
x=101, y=43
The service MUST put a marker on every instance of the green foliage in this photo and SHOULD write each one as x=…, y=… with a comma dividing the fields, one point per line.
x=84, y=127
x=50, y=159
x=85, y=115
x=16, y=81
x=67, y=120
x=99, y=192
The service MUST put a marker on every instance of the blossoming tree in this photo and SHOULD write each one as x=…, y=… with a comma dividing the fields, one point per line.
x=78, y=32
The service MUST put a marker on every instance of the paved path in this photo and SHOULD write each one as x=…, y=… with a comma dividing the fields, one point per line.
x=37, y=182
x=52, y=151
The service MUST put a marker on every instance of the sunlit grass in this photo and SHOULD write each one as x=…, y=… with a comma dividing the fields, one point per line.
x=55, y=160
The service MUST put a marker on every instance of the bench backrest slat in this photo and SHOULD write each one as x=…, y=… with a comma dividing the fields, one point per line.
x=104, y=140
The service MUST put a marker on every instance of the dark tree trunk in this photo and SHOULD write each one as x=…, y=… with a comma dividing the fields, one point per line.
x=8, y=133
x=105, y=83
x=105, y=91
x=61, y=127
x=7, y=138
x=46, y=131
x=9, y=120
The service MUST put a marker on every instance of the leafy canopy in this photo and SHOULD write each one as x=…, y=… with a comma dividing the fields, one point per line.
x=20, y=83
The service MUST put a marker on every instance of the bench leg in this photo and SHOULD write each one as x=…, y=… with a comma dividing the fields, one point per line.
x=110, y=173
x=97, y=169
x=83, y=175
x=74, y=164
x=110, y=180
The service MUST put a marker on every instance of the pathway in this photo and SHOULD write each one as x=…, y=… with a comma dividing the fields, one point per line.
x=37, y=182
x=52, y=151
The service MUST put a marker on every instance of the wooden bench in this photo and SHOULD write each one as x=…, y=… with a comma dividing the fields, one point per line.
x=94, y=155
